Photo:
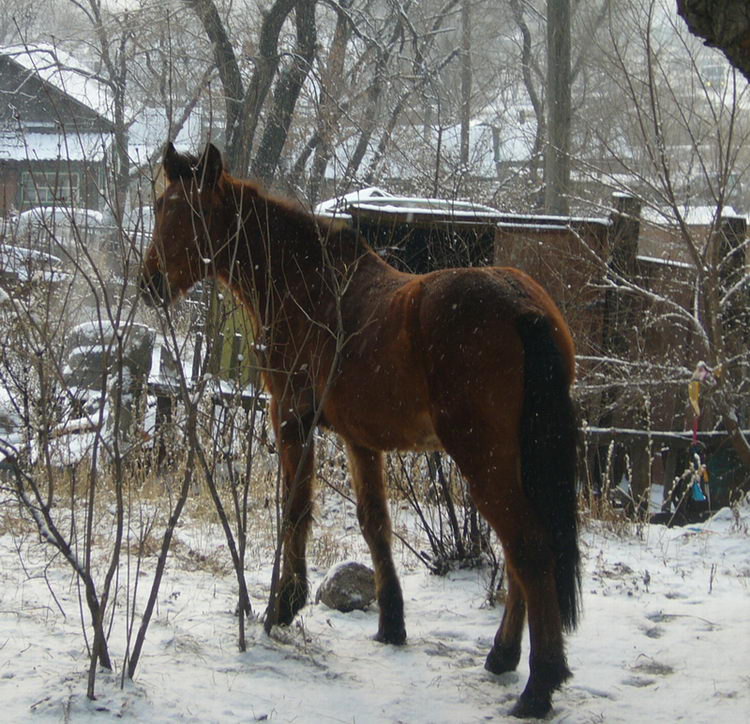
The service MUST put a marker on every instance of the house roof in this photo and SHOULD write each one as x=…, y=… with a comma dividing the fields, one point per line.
x=30, y=140
x=56, y=108
x=64, y=72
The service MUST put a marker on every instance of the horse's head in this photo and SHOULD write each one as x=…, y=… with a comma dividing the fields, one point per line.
x=188, y=225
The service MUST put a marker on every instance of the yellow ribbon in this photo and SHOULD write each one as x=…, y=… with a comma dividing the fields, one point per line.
x=694, y=393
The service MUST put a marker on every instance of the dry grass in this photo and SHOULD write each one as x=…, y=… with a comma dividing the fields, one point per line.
x=149, y=496
x=13, y=522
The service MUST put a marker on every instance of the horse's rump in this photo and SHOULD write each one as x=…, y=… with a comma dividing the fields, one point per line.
x=500, y=360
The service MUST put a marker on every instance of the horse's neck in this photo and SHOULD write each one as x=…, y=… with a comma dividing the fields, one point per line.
x=287, y=254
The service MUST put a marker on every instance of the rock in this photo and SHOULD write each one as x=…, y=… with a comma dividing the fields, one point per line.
x=92, y=348
x=347, y=587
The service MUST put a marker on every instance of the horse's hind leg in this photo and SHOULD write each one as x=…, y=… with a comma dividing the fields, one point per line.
x=492, y=473
x=297, y=463
x=506, y=649
x=374, y=520
x=534, y=565
x=531, y=564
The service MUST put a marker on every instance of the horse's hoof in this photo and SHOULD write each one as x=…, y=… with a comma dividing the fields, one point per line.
x=292, y=597
x=286, y=611
x=396, y=638
x=531, y=707
x=285, y=617
x=500, y=660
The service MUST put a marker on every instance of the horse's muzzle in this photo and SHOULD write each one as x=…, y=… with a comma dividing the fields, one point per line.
x=154, y=289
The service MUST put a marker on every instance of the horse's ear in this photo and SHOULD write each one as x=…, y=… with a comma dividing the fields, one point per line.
x=175, y=165
x=210, y=167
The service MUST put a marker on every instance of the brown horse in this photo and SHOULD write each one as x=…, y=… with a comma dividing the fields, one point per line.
x=476, y=362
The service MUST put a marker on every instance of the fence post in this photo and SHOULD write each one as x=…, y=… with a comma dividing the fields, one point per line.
x=732, y=256
x=197, y=352
x=163, y=417
x=619, y=314
x=623, y=249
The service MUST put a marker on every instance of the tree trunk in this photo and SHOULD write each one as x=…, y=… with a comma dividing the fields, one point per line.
x=466, y=83
x=370, y=118
x=286, y=94
x=556, y=162
x=229, y=74
x=723, y=24
x=243, y=105
x=330, y=105
x=733, y=319
x=527, y=69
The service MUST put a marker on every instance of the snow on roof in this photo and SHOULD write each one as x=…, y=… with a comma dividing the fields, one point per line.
x=699, y=215
x=665, y=261
x=490, y=142
x=27, y=265
x=337, y=205
x=552, y=219
x=49, y=217
x=413, y=206
x=65, y=72
x=493, y=141
x=532, y=228
x=150, y=130
x=19, y=146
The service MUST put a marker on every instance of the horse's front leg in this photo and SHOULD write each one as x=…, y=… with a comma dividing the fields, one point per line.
x=297, y=458
x=375, y=522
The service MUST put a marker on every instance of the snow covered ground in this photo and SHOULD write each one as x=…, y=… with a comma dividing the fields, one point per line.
x=665, y=637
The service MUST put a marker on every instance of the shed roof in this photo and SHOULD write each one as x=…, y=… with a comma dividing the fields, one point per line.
x=414, y=210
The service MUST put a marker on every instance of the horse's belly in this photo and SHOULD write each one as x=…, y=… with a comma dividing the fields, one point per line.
x=418, y=436
x=379, y=425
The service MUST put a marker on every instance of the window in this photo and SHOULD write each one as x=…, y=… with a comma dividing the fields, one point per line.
x=49, y=188
x=714, y=76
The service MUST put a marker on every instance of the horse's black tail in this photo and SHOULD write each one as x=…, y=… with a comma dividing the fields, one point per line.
x=549, y=440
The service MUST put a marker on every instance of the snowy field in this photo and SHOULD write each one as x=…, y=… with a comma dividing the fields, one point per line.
x=665, y=637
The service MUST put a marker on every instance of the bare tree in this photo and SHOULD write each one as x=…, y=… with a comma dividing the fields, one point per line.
x=246, y=101
x=466, y=80
x=287, y=92
x=683, y=146
x=20, y=21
